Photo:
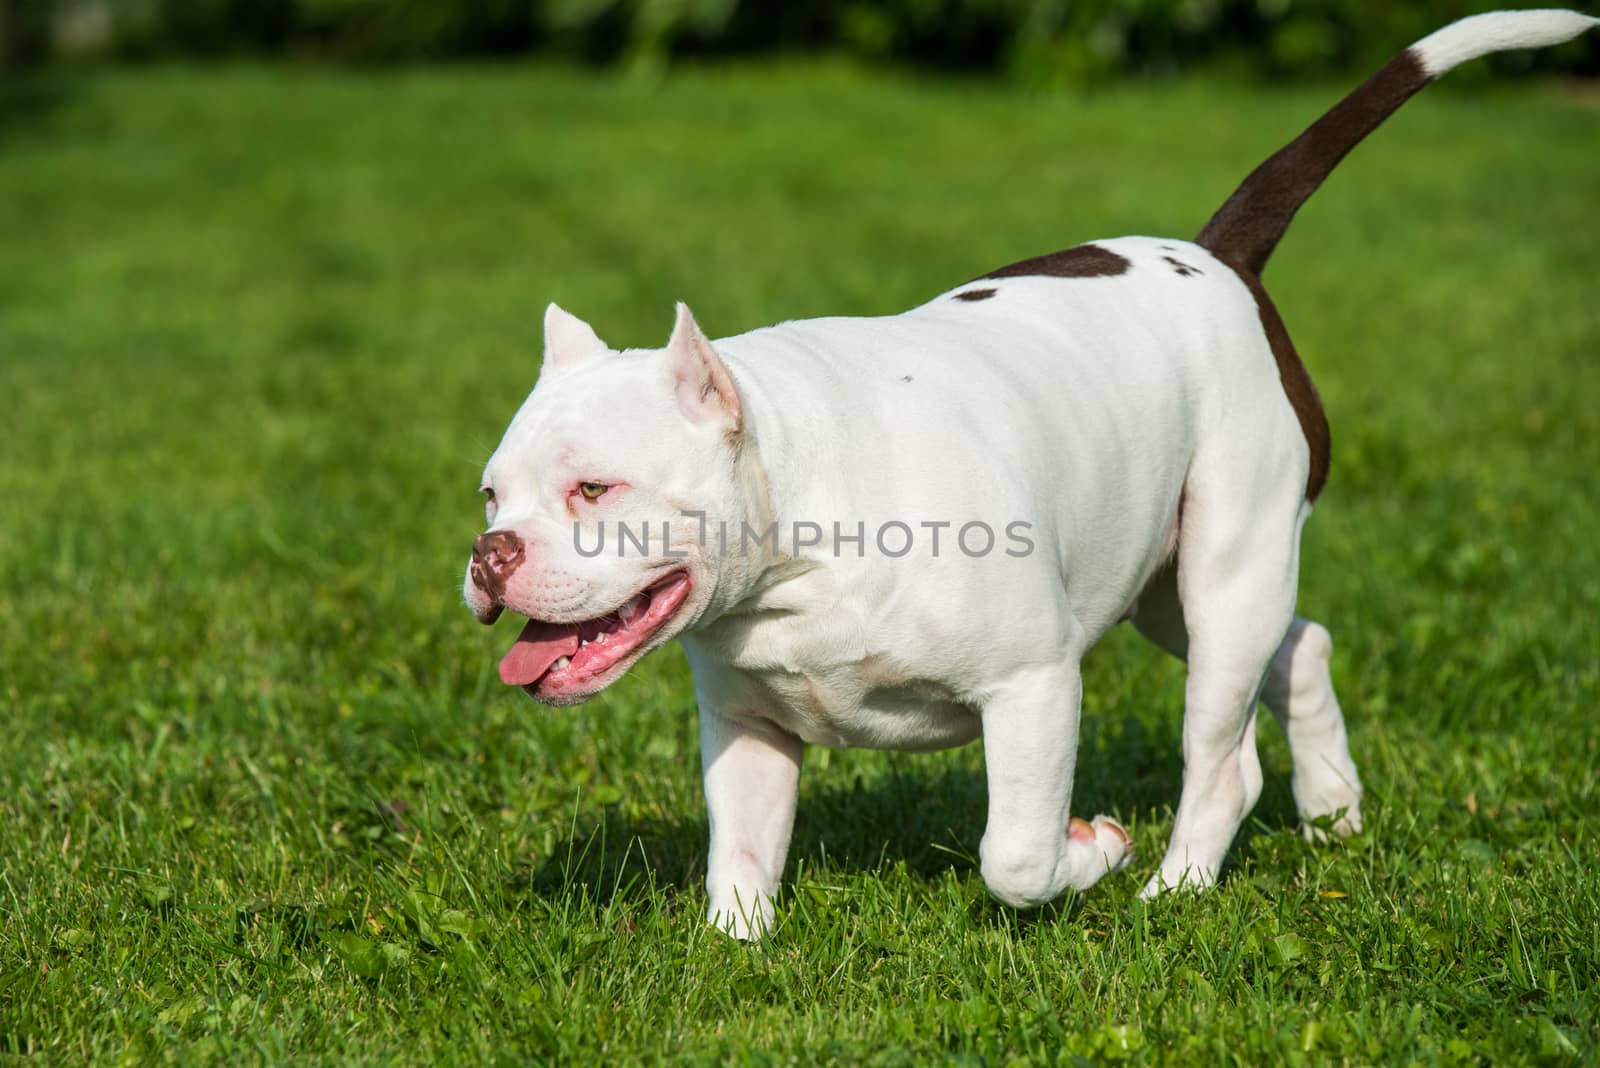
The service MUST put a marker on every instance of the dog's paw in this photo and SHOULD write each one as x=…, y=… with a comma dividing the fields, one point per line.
x=1339, y=821
x=1192, y=879
x=1106, y=834
x=746, y=921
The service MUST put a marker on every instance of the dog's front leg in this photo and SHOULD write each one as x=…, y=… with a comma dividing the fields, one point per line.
x=1031, y=850
x=752, y=777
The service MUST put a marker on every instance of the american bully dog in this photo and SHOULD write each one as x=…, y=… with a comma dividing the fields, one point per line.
x=906, y=531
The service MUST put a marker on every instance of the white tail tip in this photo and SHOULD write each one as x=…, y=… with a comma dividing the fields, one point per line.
x=1497, y=31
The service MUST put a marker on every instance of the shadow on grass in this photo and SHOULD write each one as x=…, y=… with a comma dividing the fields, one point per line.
x=928, y=818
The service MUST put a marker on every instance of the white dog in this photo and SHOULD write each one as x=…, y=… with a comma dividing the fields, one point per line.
x=905, y=532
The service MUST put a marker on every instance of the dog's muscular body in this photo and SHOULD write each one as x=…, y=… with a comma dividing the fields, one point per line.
x=1129, y=413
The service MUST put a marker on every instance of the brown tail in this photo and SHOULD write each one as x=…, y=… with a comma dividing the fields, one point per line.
x=1246, y=229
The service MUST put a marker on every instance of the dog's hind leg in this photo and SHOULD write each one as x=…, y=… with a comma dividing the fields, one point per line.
x=1235, y=580
x=1299, y=692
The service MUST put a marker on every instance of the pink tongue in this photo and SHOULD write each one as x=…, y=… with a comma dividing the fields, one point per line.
x=538, y=646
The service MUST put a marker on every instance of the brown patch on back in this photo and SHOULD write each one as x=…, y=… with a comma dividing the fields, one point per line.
x=1252, y=221
x=1081, y=261
x=1297, y=385
x=1182, y=269
x=975, y=294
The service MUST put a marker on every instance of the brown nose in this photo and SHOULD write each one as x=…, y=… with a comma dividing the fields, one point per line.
x=495, y=556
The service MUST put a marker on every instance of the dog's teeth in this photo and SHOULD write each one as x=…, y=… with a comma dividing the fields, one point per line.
x=632, y=608
x=559, y=664
x=600, y=639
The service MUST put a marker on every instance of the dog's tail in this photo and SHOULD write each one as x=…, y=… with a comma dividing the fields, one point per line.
x=1246, y=229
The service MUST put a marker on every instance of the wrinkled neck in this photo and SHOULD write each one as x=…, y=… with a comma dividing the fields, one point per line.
x=752, y=566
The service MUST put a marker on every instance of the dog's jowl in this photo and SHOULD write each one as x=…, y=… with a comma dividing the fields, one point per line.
x=906, y=531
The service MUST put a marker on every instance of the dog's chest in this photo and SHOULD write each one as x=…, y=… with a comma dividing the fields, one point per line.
x=825, y=687
x=850, y=706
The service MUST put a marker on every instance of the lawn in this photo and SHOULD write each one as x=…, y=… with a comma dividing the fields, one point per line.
x=263, y=799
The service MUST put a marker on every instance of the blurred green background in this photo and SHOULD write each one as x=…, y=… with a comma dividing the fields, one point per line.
x=1034, y=41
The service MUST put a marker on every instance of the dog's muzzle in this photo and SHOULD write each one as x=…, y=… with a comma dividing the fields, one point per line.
x=495, y=558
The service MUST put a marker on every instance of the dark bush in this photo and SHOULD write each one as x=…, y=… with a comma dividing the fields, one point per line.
x=1036, y=41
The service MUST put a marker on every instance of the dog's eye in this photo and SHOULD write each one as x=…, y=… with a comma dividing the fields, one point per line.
x=592, y=491
x=488, y=502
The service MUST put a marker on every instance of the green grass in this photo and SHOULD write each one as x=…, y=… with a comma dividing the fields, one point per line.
x=262, y=798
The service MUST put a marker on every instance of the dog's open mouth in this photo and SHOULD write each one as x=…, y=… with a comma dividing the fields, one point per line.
x=555, y=660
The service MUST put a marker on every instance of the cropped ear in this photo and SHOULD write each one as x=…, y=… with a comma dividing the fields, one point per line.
x=568, y=341
x=704, y=388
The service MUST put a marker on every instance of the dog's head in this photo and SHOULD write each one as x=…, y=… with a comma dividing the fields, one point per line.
x=609, y=453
